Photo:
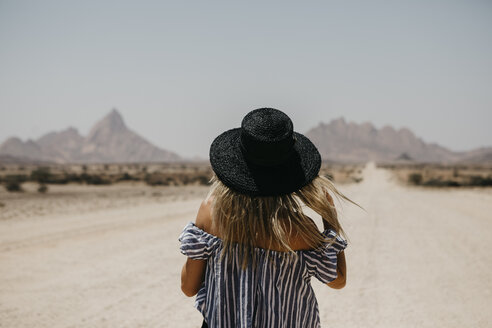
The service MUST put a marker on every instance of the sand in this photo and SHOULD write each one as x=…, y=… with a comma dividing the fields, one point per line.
x=416, y=258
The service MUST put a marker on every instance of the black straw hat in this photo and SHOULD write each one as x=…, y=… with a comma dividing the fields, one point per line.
x=265, y=156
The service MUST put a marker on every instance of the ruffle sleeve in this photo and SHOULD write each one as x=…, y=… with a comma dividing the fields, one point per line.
x=322, y=263
x=196, y=243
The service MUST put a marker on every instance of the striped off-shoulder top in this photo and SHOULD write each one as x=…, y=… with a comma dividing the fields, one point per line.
x=274, y=293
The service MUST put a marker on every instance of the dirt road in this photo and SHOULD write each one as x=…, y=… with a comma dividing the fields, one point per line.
x=416, y=258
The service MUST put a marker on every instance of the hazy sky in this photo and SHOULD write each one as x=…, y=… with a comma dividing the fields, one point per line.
x=182, y=72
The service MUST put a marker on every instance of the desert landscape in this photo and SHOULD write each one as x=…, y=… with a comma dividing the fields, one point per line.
x=111, y=114
x=84, y=255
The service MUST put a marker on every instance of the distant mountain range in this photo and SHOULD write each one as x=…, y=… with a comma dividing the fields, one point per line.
x=340, y=141
x=111, y=141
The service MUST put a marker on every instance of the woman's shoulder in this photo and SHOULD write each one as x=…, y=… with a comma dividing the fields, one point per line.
x=204, y=216
x=204, y=222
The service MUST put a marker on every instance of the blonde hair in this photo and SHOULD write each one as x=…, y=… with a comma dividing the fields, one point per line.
x=244, y=221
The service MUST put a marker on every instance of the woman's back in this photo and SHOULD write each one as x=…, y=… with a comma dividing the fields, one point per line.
x=204, y=222
x=273, y=291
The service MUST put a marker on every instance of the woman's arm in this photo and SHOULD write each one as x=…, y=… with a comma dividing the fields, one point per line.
x=192, y=276
x=341, y=278
x=193, y=272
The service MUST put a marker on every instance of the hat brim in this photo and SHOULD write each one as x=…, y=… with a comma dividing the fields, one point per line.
x=232, y=168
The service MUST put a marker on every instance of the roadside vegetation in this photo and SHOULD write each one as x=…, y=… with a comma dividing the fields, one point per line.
x=153, y=174
x=441, y=175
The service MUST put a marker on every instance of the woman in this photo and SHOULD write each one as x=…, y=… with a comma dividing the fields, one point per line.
x=252, y=251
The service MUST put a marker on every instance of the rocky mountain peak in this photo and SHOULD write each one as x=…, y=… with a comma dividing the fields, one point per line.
x=352, y=142
x=112, y=120
x=13, y=141
x=110, y=124
x=109, y=140
x=71, y=131
x=406, y=132
x=338, y=122
x=114, y=116
x=387, y=129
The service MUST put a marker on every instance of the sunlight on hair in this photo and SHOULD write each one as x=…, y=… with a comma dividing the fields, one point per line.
x=271, y=222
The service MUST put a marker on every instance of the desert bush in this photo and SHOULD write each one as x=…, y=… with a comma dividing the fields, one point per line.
x=84, y=177
x=477, y=180
x=13, y=185
x=126, y=177
x=184, y=179
x=415, y=178
x=13, y=182
x=158, y=179
x=42, y=188
x=94, y=179
x=72, y=177
x=201, y=179
x=16, y=177
x=41, y=175
x=177, y=179
x=59, y=179
x=441, y=183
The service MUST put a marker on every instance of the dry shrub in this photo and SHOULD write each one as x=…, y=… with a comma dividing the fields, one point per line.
x=42, y=188
x=415, y=178
x=95, y=179
x=13, y=182
x=177, y=179
x=13, y=186
x=479, y=181
x=41, y=175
